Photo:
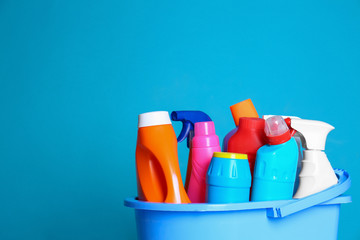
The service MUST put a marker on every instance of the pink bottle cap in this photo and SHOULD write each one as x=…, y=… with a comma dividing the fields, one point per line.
x=205, y=135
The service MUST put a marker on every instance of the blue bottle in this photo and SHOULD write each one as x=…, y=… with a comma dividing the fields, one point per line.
x=228, y=178
x=276, y=163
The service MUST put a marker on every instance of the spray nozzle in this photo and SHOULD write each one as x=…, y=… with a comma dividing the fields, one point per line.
x=188, y=119
x=313, y=132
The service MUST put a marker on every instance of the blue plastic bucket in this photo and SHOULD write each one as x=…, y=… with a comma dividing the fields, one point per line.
x=313, y=217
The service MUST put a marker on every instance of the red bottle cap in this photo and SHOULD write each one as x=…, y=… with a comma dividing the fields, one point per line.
x=251, y=123
x=276, y=140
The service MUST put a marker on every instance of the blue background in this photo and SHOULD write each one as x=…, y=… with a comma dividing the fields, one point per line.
x=74, y=76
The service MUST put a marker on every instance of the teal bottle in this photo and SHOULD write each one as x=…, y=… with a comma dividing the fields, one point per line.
x=276, y=163
x=228, y=178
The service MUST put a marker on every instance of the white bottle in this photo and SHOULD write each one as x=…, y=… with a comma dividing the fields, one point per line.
x=316, y=173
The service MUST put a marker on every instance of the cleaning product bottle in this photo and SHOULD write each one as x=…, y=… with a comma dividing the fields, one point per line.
x=276, y=163
x=188, y=119
x=242, y=109
x=249, y=137
x=204, y=144
x=316, y=173
x=228, y=178
x=297, y=138
x=157, y=166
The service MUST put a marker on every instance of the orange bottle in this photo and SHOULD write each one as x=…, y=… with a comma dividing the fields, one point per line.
x=157, y=166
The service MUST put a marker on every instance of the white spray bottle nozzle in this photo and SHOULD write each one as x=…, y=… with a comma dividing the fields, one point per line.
x=314, y=132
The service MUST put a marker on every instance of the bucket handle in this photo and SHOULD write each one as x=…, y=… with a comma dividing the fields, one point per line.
x=343, y=184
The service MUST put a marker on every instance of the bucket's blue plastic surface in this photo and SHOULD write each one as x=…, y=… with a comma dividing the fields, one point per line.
x=313, y=217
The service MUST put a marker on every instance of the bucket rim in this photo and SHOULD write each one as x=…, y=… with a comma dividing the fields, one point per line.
x=205, y=207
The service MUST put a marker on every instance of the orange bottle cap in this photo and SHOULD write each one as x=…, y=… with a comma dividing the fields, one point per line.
x=243, y=109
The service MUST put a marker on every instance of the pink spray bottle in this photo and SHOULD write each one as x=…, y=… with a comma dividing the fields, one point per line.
x=204, y=144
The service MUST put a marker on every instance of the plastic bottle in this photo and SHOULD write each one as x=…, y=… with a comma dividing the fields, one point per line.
x=228, y=178
x=316, y=173
x=157, y=166
x=276, y=163
x=242, y=109
x=204, y=144
x=249, y=137
x=188, y=119
x=297, y=137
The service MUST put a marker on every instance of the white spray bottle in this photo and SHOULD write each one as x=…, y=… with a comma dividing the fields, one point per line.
x=316, y=173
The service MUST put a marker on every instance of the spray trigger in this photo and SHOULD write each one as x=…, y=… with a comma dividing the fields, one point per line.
x=188, y=119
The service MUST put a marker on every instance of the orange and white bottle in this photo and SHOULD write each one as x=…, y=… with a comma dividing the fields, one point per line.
x=157, y=166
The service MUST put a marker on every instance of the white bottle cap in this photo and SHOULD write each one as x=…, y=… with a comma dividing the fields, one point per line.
x=154, y=119
x=275, y=126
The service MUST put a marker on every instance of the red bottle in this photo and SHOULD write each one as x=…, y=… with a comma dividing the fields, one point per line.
x=249, y=137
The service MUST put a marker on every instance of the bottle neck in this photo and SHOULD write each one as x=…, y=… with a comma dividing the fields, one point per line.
x=251, y=124
x=276, y=140
x=205, y=141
